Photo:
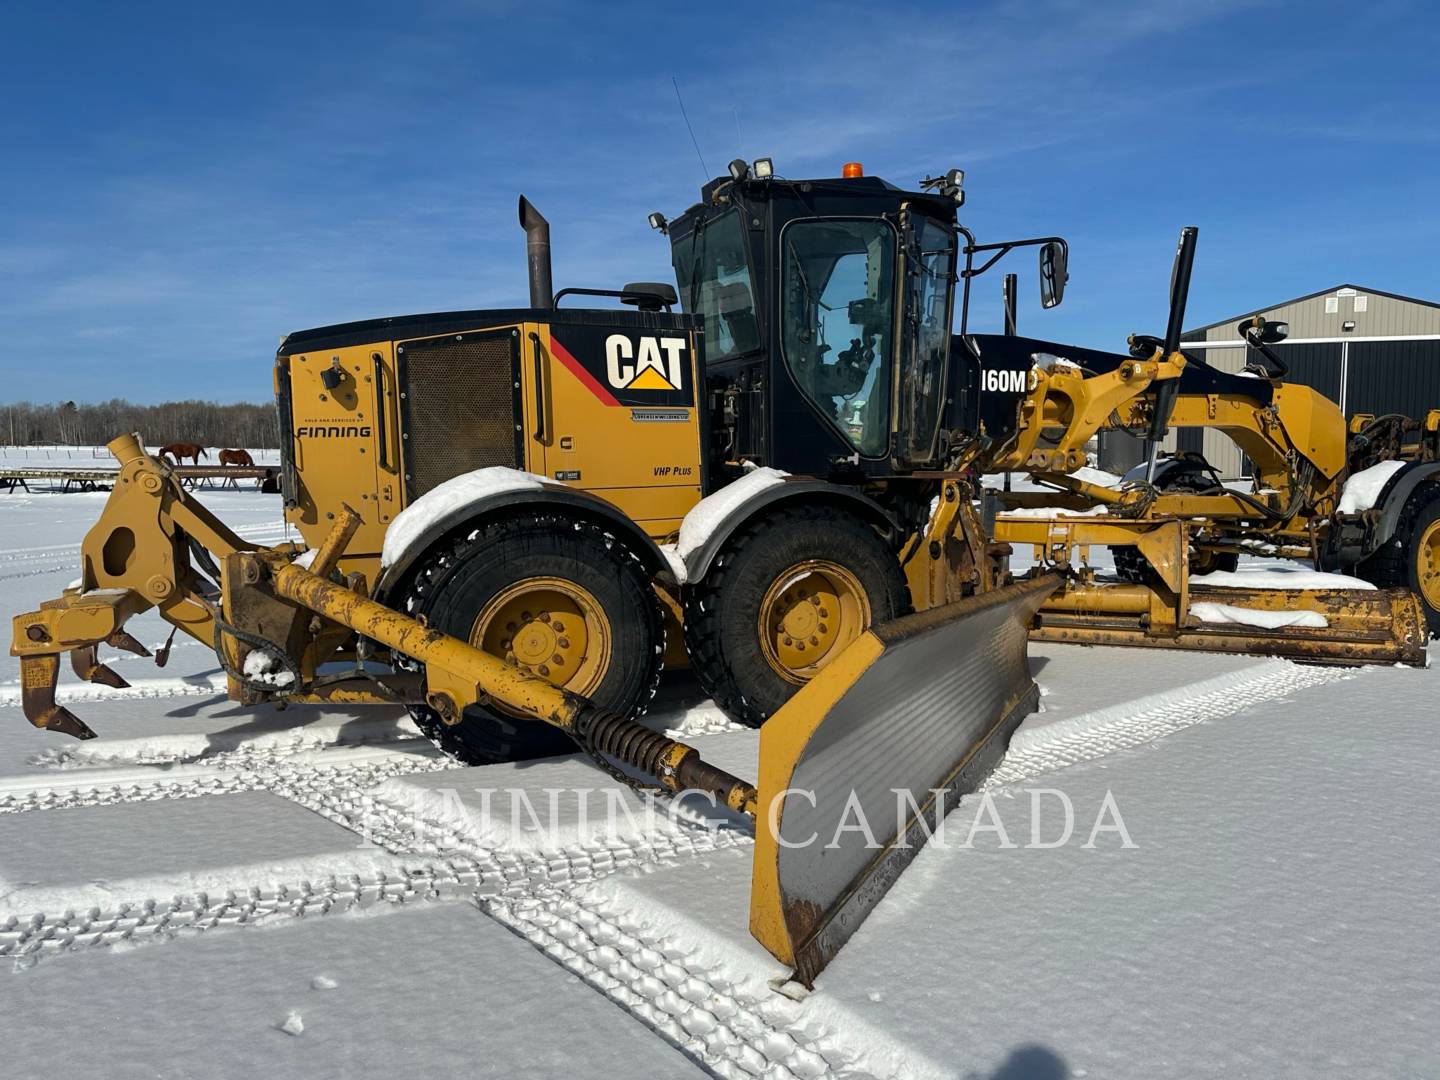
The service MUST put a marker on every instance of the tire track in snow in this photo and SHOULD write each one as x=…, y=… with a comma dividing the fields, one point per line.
x=289, y=771
x=533, y=893
x=726, y=1028
x=1048, y=747
x=139, y=689
x=444, y=866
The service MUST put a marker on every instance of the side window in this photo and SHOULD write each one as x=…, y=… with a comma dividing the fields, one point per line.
x=838, y=282
x=925, y=350
x=713, y=269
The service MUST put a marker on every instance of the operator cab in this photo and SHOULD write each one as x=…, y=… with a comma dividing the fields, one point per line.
x=826, y=307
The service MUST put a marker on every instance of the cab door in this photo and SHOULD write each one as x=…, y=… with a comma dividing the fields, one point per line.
x=922, y=375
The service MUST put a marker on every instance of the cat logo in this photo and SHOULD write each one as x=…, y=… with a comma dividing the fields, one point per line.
x=655, y=364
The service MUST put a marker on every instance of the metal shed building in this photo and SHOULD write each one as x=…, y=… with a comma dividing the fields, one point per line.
x=1367, y=350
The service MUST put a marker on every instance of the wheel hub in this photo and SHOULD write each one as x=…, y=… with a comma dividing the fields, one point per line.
x=1427, y=564
x=809, y=615
x=548, y=627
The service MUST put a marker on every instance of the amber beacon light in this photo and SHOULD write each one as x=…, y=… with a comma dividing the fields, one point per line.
x=851, y=169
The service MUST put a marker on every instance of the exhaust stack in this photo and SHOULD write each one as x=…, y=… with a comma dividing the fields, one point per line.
x=537, y=249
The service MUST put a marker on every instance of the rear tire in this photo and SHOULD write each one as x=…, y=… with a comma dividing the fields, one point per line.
x=809, y=568
x=477, y=584
x=1413, y=563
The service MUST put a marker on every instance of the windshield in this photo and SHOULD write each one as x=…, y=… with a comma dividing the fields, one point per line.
x=839, y=288
x=714, y=277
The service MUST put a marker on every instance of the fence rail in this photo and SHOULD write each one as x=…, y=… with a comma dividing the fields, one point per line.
x=76, y=479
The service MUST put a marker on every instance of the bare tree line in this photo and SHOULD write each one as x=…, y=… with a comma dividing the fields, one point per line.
x=209, y=423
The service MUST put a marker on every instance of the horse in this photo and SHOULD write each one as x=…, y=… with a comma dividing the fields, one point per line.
x=179, y=451
x=237, y=457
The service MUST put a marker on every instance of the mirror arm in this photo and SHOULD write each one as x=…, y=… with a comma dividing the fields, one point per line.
x=1001, y=250
x=1279, y=368
x=965, y=276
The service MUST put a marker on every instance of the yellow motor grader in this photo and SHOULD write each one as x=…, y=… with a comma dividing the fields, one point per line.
x=1174, y=517
x=513, y=519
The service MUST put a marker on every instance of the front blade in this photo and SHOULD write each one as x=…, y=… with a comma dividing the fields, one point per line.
x=924, y=706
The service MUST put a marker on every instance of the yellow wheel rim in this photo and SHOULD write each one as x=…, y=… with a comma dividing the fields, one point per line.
x=548, y=627
x=1427, y=564
x=808, y=616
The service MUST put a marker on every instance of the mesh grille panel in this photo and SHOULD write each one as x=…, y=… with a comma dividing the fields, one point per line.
x=460, y=407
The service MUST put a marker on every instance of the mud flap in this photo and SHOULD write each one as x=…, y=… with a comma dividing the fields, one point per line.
x=913, y=715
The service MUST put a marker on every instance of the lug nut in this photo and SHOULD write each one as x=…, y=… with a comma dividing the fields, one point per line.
x=564, y=643
x=544, y=616
x=557, y=659
x=511, y=627
x=789, y=640
x=814, y=640
x=559, y=626
x=822, y=629
x=543, y=669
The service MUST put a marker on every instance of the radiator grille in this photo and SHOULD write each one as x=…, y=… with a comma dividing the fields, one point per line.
x=461, y=406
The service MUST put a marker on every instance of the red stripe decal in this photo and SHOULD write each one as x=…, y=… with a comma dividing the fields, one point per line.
x=578, y=370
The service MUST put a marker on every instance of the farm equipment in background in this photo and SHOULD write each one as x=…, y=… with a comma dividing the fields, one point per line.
x=483, y=496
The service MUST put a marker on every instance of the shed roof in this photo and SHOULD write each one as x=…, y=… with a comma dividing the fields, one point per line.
x=1311, y=296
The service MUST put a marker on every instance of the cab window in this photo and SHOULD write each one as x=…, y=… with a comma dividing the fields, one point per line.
x=713, y=270
x=838, y=300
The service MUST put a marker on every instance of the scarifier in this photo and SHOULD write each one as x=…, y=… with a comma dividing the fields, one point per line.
x=513, y=519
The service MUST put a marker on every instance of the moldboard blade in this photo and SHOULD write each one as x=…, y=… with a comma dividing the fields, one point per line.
x=923, y=705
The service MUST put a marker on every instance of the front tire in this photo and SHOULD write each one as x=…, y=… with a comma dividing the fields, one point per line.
x=786, y=596
x=559, y=598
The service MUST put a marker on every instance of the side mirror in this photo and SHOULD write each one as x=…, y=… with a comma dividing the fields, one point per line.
x=1261, y=329
x=1053, y=272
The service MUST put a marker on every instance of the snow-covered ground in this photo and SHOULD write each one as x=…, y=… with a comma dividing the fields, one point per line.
x=210, y=890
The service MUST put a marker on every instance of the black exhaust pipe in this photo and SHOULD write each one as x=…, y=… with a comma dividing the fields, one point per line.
x=537, y=249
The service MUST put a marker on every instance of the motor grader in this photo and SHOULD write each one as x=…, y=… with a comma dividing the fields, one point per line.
x=1303, y=453
x=512, y=519
x=482, y=498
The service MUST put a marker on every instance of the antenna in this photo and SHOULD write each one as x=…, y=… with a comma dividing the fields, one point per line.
x=705, y=168
x=739, y=140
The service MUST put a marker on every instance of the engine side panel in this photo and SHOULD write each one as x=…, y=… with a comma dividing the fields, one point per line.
x=379, y=413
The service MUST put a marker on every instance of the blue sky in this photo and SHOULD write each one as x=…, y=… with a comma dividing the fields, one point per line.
x=186, y=183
